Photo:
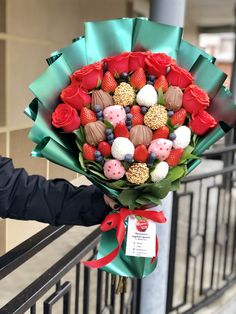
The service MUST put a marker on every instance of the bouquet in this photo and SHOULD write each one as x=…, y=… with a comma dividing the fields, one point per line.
x=132, y=107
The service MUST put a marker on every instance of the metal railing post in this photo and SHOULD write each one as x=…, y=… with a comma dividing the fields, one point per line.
x=170, y=12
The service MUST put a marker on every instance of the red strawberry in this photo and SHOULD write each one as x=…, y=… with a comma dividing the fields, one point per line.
x=88, y=151
x=162, y=132
x=109, y=83
x=141, y=225
x=174, y=157
x=104, y=148
x=161, y=82
x=121, y=130
x=138, y=78
x=86, y=116
x=137, y=115
x=179, y=117
x=141, y=153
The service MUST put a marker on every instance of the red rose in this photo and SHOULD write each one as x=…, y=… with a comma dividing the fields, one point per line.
x=158, y=63
x=75, y=96
x=90, y=76
x=202, y=122
x=65, y=117
x=137, y=60
x=195, y=99
x=118, y=64
x=178, y=76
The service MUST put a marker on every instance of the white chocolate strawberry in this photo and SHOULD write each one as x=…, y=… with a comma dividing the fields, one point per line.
x=183, y=137
x=121, y=147
x=115, y=114
x=113, y=169
x=160, y=171
x=147, y=96
x=161, y=147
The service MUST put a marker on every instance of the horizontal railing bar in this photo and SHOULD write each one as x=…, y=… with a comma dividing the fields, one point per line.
x=220, y=150
x=208, y=174
x=29, y=296
x=24, y=251
x=210, y=298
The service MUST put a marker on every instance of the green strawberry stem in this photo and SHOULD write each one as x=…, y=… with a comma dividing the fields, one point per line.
x=160, y=96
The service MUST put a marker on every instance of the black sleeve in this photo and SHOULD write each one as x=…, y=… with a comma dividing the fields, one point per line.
x=56, y=202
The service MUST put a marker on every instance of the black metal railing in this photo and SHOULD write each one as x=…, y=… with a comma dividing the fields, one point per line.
x=87, y=291
x=203, y=236
x=201, y=261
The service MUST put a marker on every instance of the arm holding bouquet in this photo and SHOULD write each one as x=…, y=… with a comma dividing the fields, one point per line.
x=56, y=202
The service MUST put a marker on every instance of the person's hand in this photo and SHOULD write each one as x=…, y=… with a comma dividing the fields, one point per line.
x=111, y=203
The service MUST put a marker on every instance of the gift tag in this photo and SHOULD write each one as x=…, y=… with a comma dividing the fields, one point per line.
x=141, y=237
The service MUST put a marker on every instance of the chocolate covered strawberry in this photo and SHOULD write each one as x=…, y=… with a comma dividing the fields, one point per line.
x=113, y=169
x=161, y=148
x=147, y=96
x=114, y=114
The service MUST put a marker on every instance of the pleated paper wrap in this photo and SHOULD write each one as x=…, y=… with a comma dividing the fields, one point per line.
x=108, y=38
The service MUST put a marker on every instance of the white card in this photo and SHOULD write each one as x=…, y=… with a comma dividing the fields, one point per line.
x=141, y=237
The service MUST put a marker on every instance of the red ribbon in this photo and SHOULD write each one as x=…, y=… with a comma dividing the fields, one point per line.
x=117, y=220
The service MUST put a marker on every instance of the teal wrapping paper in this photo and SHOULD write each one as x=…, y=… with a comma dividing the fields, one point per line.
x=109, y=38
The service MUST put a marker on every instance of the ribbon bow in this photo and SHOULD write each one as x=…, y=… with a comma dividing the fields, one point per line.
x=117, y=220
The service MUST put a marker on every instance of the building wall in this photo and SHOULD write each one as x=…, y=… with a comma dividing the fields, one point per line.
x=29, y=31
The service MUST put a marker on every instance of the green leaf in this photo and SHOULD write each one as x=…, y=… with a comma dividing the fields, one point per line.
x=195, y=139
x=94, y=164
x=117, y=184
x=146, y=199
x=98, y=83
x=142, y=201
x=99, y=174
x=159, y=189
x=170, y=126
x=78, y=144
x=116, y=75
x=191, y=156
x=80, y=135
x=176, y=173
x=126, y=165
x=128, y=197
x=83, y=134
x=93, y=167
x=188, y=154
x=160, y=96
x=81, y=161
x=175, y=185
x=108, y=124
x=188, y=150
